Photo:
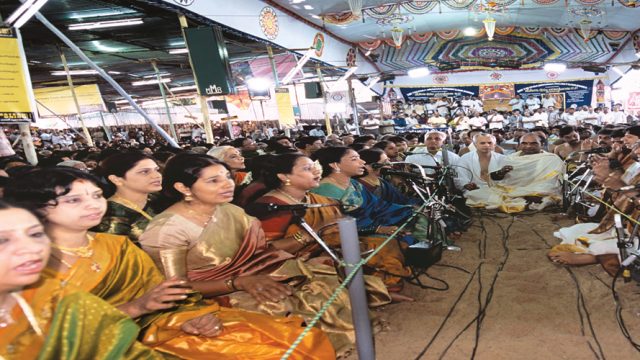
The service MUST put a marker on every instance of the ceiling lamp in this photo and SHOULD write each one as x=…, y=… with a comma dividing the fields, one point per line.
x=489, y=27
x=356, y=7
x=25, y=12
x=555, y=67
x=418, y=72
x=585, y=28
x=396, y=35
x=105, y=24
x=469, y=31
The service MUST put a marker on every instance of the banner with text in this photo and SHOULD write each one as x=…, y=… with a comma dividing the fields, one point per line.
x=15, y=98
x=285, y=110
x=209, y=61
x=633, y=101
x=579, y=92
x=52, y=101
x=425, y=93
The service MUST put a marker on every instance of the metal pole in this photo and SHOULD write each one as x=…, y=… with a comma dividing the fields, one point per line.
x=107, y=131
x=87, y=135
x=327, y=122
x=164, y=98
x=354, y=106
x=204, y=106
x=359, y=308
x=273, y=66
x=27, y=143
x=108, y=78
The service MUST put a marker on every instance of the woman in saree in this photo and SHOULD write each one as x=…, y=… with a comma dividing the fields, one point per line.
x=375, y=159
x=112, y=268
x=290, y=178
x=374, y=216
x=135, y=177
x=39, y=318
x=234, y=159
x=227, y=253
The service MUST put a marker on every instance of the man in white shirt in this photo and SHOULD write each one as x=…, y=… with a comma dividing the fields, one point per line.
x=548, y=100
x=430, y=106
x=607, y=116
x=433, y=155
x=569, y=116
x=477, y=121
x=532, y=102
x=371, y=126
x=540, y=118
x=467, y=104
x=517, y=104
x=437, y=120
x=495, y=119
x=581, y=114
x=442, y=106
x=618, y=116
x=477, y=104
x=591, y=117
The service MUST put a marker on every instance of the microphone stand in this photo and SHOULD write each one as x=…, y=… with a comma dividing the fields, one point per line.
x=298, y=216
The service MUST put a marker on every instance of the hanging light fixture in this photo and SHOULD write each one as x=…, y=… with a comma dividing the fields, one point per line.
x=356, y=7
x=489, y=27
x=396, y=35
x=585, y=28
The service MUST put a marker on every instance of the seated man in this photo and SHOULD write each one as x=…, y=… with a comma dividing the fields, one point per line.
x=433, y=154
x=592, y=243
x=572, y=143
x=534, y=181
x=477, y=170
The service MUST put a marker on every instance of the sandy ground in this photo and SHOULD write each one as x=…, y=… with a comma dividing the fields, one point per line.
x=529, y=307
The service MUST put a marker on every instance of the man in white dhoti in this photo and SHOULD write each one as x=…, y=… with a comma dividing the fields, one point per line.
x=533, y=183
x=478, y=169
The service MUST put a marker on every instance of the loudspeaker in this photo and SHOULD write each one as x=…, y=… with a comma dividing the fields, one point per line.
x=259, y=94
x=312, y=90
x=594, y=69
x=111, y=107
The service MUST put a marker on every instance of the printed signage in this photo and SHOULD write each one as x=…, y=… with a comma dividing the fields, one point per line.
x=575, y=92
x=209, y=61
x=15, y=98
x=425, y=93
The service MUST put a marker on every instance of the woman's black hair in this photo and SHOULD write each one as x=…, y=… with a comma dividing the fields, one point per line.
x=184, y=168
x=118, y=165
x=280, y=164
x=328, y=156
x=40, y=187
x=371, y=156
x=5, y=205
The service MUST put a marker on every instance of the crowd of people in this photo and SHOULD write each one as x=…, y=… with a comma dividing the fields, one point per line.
x=160, y=252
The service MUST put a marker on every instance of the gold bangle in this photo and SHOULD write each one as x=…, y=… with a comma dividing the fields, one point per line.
x=300, y=239
x=230, y=285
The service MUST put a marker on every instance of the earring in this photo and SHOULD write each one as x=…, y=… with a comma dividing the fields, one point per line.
x=188, y=197
x=287, y=182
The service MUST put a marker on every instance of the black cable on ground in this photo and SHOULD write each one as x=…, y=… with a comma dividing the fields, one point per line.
x=581, y=307
x=619, y=318
x=446, y=318
x=453, y=267
x=482, y=308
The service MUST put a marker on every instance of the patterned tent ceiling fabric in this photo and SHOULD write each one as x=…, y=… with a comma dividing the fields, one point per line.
x=518, y=48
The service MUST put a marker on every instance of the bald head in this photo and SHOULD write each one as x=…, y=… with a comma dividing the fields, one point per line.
x=530, y=144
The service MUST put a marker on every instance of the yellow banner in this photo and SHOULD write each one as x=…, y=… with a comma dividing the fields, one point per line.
x=285, y=110
x=59, y=100
x=15, y=104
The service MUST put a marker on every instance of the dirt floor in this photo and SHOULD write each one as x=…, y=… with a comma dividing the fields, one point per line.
x=507, y=301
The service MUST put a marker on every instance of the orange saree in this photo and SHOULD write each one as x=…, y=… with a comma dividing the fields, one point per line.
x=119, y=272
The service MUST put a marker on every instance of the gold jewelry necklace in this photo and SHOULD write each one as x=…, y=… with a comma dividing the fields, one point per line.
x=85, y=251
x=296, y=201
x=122, y=201
x=212, y=217
x=5, y=316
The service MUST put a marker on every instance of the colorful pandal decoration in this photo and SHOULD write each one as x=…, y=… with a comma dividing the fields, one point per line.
x=340, y=19
x=614, y=35
x=448, y=34
x=504, y=30
x=421, y=38
x=370, y=45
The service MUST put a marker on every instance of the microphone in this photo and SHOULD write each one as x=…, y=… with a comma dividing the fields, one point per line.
x=392, y=172
x=262, y=209
x=630, y=187
x=377, y=165
x=599, y=150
